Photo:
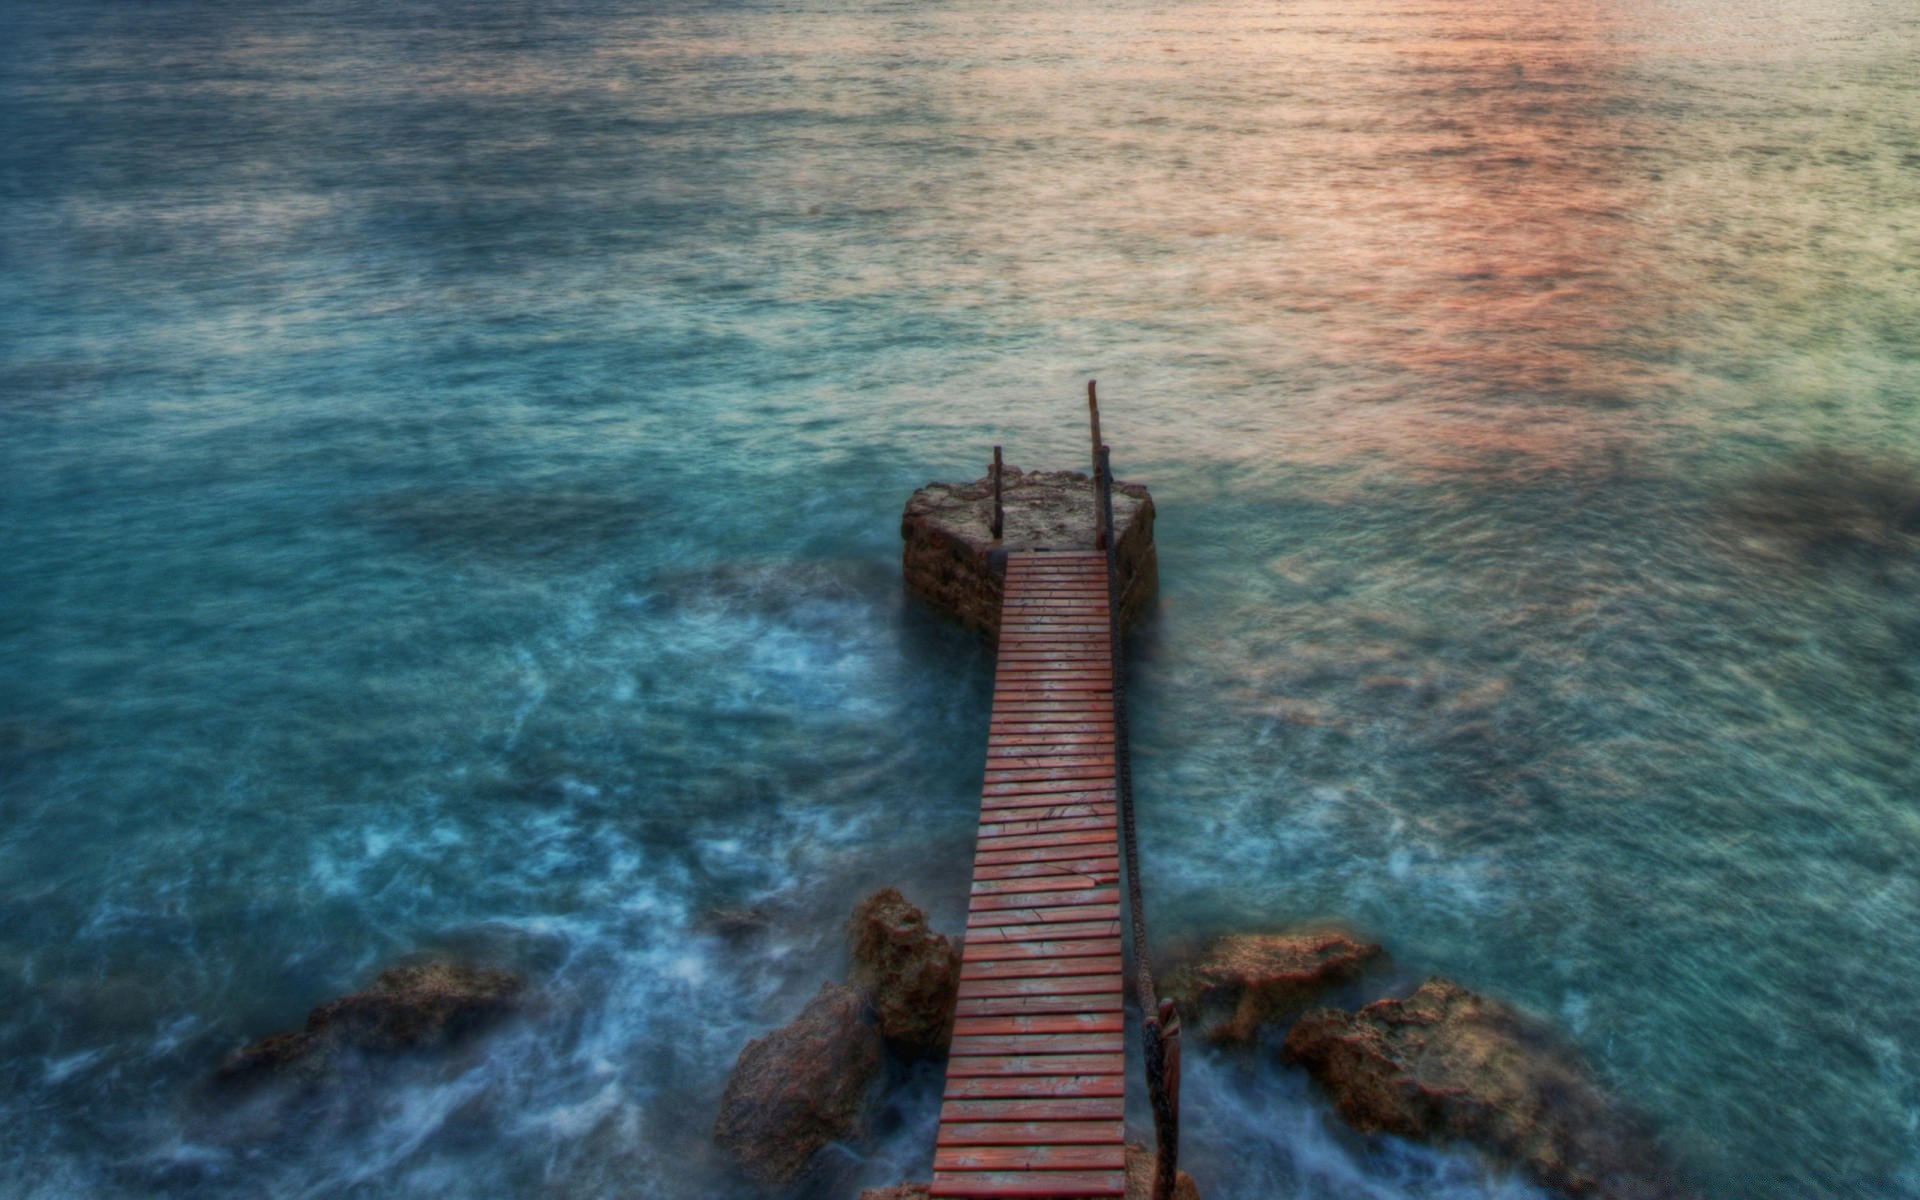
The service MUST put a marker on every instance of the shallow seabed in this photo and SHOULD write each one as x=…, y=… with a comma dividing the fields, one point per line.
x=450, y=463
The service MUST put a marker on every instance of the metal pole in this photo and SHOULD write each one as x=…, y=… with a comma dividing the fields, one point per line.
x=999, y=515
x=1159, y=1021
x=1099, y=520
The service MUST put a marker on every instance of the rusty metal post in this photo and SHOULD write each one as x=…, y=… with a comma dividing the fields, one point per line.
x=999, y=514
x=1099, y=522
x=1166, y=1104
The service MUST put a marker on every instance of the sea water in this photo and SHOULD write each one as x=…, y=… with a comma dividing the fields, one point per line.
x=450, y=466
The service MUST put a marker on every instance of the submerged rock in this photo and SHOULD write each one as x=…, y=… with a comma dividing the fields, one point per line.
x=801, y=1087
x=909, y=973
x=407, y=1009
x=736, y=924
x=1242, y=981
x=950, y=556
x=1141, y=1163
x=1831, y=502
x=1447, y=1065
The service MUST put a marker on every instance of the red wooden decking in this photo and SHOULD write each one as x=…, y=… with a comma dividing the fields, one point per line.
x=1035, y=1081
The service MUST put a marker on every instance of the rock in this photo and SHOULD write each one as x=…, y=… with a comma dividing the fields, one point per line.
x=1141, y=1163
x=1447, y=1065
x=1242, y=981
x=736, y=924
x=407, y=1009
x=800, y=1087
x=949, y=560
x=909, y=973
x=1831, y=502
x=903, y=1191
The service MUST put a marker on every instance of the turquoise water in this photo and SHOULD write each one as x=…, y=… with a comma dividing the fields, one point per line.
x=452, y=459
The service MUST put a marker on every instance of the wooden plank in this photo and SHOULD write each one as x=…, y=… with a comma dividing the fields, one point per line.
x=1100, y=868
x=1054, y=806
x=1077, y=859
x=1010, y=769
x=1091, y=802
x=1045, y=931
x=1080, y=1022
x=1046, y=783
x=1069, y=985
x=991, y=1006
x=1073, y=824
x=1056, y=846
x=1081, y=742
x=1043, y=968
x=1031, y=1133
x=1026, y=607
x=1097, y=840
x=1065, y=721
x=1024, y=1044
x=1010, y=758
x=1027, y=1185
x=1035, y=1087
x=1030, y=1158
x=1045, y=762
x=1098, y=837
x=1095, y=870
x=1064, y=798
x=1077, y=1109
x=1045, y=807
x=1060, y=852
x=1085, y=840
x=1057, y=860
x=988, y=899
x=1005, y=778
x=1084, y=691
x=1049, y=813
x=1059, y=714
x=1038, y=914
x=1058, y=949
x=972, y=1066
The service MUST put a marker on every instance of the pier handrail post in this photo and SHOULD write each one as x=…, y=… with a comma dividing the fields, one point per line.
x=1102, y=520
x=999, y=513
x=1159, y=1019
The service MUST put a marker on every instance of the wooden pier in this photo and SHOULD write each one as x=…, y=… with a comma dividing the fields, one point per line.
x=1035, y=1091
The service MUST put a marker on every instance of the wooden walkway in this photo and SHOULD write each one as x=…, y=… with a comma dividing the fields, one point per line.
x=1036, y=1079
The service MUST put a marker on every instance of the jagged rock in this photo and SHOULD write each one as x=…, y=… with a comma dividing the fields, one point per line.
x=903, y=1191
x=909, y=973
x=1141, y=1163
x=802, y=1086
x=1447, y=1065
x=949, y=557
x=407, y=1009
x=1242, y=981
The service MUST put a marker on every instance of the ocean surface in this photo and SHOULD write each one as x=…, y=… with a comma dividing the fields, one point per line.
x=450, y=467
